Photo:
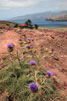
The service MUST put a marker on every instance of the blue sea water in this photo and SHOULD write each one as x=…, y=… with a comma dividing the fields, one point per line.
x=45, y=23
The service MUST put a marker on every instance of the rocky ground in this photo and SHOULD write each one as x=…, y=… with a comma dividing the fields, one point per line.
x=49, y=39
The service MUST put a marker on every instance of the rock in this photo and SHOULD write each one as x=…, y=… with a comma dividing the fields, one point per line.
x=56, y=58
x=52, y=37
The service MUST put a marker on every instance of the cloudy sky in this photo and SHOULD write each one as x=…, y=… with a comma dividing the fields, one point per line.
x=13, y=8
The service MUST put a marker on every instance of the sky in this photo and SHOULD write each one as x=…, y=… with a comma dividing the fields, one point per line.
x=13, y=8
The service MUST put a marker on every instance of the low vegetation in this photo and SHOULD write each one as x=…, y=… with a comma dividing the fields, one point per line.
x=23, y=79
x=17, y=25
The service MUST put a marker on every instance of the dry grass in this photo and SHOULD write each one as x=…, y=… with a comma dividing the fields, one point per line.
x=62, y=29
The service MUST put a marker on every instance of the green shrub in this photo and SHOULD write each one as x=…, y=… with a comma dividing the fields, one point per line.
x=36, y=26
x=7, y=24
x=16, y=25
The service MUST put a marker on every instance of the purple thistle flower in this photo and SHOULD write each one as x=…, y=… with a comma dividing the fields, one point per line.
x=28, y=47
x=33, y=87
x=52, y=49
x=49, y=73
x=41, y=45
x=31, y=46
x=32, y=62
x=28, y=39
x=10, y=45
x=20, y=39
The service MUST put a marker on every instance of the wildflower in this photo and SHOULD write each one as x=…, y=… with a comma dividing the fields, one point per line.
x=32, y=62
x=33, y=87
x=41, y=45
x=10, y=47
x=49, y=73
x=28, y=39
x=28, y=47
x=31, y=46
x=52, y=49
x=20, y=39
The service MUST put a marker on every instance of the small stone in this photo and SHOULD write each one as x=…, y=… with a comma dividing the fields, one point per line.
x=56, y=58
x=52, y=37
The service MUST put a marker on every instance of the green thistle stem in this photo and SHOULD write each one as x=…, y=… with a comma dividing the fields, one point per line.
x=35, y=75
x=19, y=60
x=11, y=57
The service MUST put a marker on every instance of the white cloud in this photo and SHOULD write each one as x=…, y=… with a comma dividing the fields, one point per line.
x=9, y=4
x=6, y=4
x=56, y=5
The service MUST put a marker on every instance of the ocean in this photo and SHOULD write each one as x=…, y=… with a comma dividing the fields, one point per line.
x=44, y=23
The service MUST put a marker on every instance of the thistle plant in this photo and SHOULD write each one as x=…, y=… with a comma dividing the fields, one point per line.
x=49, y=73
x=10, y=48
x=28, y=39
x=19, y=60
x=33, y=63
x=33, y=87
